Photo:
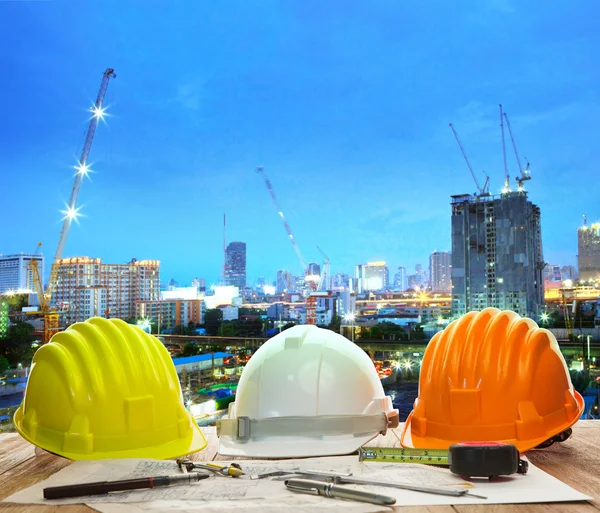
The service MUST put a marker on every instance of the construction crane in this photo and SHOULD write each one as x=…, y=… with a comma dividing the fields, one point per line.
x=324, y=281
x=506, y=188
x=524, y=173
x=311, y=315
x=51, y=318
x=482, y=191
x=260, y=170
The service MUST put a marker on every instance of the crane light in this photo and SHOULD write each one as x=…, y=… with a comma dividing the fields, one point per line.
x=83, y=169
x=98, y=112
x=71, y=214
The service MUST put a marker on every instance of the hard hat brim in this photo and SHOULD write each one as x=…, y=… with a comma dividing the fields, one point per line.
x=173, y=449
x=411, y=441
x=293, y=447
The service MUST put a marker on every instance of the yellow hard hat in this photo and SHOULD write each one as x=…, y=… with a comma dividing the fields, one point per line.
x=106, y=389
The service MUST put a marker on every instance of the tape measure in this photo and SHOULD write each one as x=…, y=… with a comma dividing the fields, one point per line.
x=469, y=459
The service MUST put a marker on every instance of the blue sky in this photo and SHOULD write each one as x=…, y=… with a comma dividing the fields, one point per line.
x=346, y=105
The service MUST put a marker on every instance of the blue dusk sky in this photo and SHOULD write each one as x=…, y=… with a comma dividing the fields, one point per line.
x=345, y=103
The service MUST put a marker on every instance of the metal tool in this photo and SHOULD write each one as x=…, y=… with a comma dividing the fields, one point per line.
x=343, y=479
x=469, y=459
x=286, y=474
x=231, y=470
x=337, y=492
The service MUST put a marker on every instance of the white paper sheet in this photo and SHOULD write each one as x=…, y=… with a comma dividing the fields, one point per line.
x=296, y=504
x=535, y=486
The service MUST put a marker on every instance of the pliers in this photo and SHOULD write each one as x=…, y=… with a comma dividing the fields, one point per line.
x=232, y=470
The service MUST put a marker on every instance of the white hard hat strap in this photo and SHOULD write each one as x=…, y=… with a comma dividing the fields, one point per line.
x=244, y=428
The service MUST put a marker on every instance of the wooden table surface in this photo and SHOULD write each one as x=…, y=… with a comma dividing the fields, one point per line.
x=576, y=462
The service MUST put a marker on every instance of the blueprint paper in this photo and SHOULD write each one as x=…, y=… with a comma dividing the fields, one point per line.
x=535, y=486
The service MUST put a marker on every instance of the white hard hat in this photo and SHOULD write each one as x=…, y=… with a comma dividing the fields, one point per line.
x=306, y=392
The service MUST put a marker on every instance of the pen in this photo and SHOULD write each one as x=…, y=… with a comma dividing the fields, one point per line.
x=337, y=492
x=101, y=487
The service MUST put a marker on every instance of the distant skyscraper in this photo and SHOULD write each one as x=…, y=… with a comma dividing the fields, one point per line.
x=497, y=255
x=173, y=284
x=284, y=282
x=372, y=276
x=401, y=279
x=15, y=273
x=588, y=258
x=235, y=270
x=200, y=284
x=568, y=272
x=314, y=269
x=440, y=267
x=341, y=280
x=261, y=281
x=552, y=273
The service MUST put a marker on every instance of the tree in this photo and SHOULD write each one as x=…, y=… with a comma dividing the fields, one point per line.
x=336, y=322
x=3, y=364
x=212, y=320
x=16, y=302
x=228, y=329
x=190, y=349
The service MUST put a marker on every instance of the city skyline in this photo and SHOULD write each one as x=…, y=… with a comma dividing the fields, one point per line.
x=351, y=142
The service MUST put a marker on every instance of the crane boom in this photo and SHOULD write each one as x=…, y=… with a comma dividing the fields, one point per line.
x=513, y=143
x=524, y=173
x=286, y=225
x=98, y=112
x=506, y=179
x=37, y=281
x=481, y=191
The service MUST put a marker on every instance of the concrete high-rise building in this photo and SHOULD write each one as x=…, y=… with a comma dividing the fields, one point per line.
x=86, y=287
x=372, y=276
x=588, y=248
x=314, y=269
x=401, y=279
x=235, y=264
x=497, y=257
x=284, y=282
x=341, y=280
x=168, y=313
x=15, y=274
x=551, y=273
x=568, y=272
x=440, y=268
x=200, y=284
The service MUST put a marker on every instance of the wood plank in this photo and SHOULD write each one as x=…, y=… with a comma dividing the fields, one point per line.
x=13, y=451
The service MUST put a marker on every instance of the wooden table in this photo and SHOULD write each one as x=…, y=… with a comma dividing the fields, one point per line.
x=575, y=462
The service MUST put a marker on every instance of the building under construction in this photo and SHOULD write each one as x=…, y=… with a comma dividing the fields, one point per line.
x=497, y=257
x=588, y=254
x=86, y=287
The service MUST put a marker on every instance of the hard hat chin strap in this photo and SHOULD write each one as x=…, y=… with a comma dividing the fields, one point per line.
x=244, y=428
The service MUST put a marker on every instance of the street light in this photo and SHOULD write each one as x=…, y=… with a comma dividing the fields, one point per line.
x=349, y=317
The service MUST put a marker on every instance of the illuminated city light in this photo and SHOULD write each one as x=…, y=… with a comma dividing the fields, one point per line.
x=545, y=317
x=407, y=364
x=349, y=317
x=505, y=189
x=71, y=214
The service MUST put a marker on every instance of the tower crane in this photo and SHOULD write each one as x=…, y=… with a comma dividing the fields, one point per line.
x=51, y=319
x=506, y=188
x=325, y=280
x=311, y=315
x=524, y=173
x=482, y=191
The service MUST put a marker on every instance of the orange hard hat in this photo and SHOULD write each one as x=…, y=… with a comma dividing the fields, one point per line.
x=492, y=376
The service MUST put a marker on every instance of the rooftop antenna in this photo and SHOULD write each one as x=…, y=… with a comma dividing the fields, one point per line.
x=584, y=220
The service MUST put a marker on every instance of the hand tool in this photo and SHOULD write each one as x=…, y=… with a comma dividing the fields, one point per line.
x=304, y=473
x=438, y=490
x=469, y=459
x=102, y=487
x=233, y=470
x=337, y=492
